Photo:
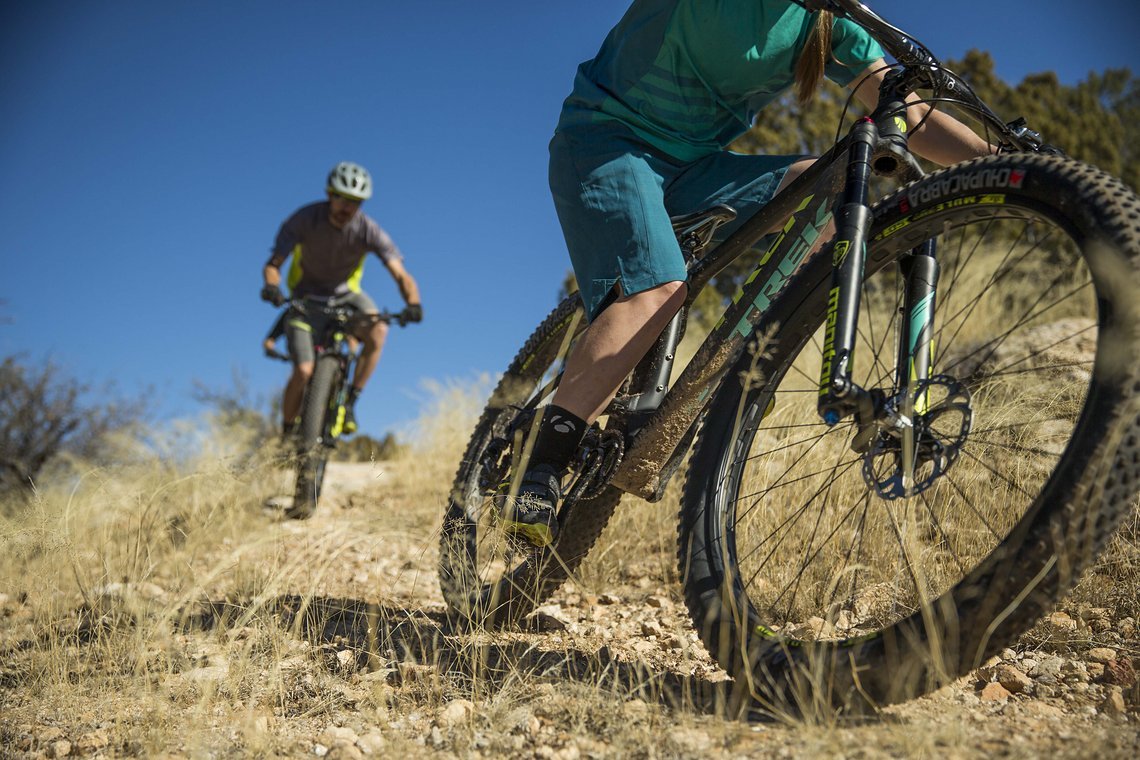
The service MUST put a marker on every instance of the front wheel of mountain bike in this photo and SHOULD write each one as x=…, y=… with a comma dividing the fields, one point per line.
x=312, y=451
x=812, y=578
x=487, y=577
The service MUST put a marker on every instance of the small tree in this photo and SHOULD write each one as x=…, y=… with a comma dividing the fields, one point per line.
x=44, y=413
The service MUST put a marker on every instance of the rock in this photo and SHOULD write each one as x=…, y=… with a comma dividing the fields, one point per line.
x=1098, y=619
x=336, y=734
x=1113, y=704
x=643, y=647
x=1008, y=655
x=1096, y=670
x=1126, y=627
x=92, y=742
x=550, y=618
x=320, y=750
x=609, y=599
x=650, y=628
x=346, y=659
x=1075, y=671
x=371, y=743
x=456, y=712
x=1041, y=709
x=1050, y=666
x=1059, y=622
x=995, y=692
x=1101, y=654
x=1013, y=679
x=436, y=737
x=1119, y=673
x=59, y=748
x=659, y=602
x=1027, y=664
x=344, y=751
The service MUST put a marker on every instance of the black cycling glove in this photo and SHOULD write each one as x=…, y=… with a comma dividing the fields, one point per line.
x=273, y=294
x=414, y=313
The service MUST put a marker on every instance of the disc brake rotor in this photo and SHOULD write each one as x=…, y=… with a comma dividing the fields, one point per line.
x=941, y=424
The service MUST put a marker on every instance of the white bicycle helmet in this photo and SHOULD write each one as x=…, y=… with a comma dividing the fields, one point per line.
x=350, y=180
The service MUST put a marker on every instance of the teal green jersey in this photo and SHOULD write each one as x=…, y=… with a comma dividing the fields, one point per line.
x=689, y=76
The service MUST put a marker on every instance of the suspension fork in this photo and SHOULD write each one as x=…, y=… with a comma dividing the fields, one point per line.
x=920, y=271
x=838, y=395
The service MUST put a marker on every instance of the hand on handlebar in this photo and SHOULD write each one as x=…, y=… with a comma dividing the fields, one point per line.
x=273, y=294
x=413, y=313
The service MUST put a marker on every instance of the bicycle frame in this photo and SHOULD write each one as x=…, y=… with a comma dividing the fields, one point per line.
x=836, y=181
x=334, y=339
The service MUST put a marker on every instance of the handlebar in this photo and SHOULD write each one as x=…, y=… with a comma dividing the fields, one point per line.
x=342, y=313
x=916, y=58
x=345, y=313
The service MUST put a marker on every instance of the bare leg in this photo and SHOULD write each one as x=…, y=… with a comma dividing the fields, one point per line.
x=370, y=356
x=295, y=391
x=612, y=346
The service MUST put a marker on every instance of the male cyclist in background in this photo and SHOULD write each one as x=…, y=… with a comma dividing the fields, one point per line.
x=328, y=241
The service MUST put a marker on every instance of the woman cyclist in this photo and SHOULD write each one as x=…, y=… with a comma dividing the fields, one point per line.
x=641, y=137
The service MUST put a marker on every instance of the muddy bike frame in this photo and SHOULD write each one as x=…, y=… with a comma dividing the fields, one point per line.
x=836, y=184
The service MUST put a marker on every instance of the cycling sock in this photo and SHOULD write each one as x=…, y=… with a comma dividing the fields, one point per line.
x=559, y=435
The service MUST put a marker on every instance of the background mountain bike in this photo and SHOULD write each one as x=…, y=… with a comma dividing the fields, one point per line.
x=323, y=407
x=858, y=534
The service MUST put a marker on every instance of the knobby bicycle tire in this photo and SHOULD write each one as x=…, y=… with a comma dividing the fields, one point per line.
x=312, y=453
x=473, y=594
x=746, y=504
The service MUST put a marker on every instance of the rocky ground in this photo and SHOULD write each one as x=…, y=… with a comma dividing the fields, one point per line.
x=328, y=639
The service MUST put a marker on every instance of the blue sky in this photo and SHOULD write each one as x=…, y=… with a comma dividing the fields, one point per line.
x=149, y=151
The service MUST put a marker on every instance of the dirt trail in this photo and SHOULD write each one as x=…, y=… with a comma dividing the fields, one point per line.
x=334, y=643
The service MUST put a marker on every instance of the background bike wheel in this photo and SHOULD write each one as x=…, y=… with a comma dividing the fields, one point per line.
x=813, y=588
x=488, y=579
x=312, y=453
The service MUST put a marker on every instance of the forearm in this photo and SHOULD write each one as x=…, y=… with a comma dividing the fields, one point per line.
x=409, y=290
x=272, y=275
x=942, y=138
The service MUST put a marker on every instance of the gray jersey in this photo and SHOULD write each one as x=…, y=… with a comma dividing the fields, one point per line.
x=326, y=260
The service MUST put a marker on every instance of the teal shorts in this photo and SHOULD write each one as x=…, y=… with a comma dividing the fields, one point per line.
x=614, y=196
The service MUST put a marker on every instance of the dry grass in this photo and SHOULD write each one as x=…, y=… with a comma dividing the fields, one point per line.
x=157, y=609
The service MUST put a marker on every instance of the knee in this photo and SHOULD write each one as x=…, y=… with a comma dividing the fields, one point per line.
x=374, y=338
x=302, y=372
x=668, y=296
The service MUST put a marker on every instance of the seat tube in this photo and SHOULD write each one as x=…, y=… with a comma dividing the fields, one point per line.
x=852, y=220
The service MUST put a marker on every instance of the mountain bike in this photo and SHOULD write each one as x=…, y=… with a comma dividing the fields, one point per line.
x=323, y=408
x=906, y=443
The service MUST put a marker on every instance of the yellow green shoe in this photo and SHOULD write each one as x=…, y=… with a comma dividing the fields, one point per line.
x=533, y=514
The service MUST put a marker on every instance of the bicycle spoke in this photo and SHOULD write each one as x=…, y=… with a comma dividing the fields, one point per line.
x=789, y=519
